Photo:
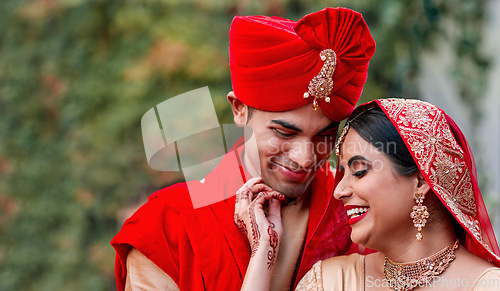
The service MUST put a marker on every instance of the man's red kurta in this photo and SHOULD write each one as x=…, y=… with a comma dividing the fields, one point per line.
x=202, y=249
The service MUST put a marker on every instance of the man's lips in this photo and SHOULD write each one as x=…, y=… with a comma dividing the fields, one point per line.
x=292, y=174
x=356, y=212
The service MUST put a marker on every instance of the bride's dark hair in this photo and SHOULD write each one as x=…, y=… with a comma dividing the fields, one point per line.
x=374, y=127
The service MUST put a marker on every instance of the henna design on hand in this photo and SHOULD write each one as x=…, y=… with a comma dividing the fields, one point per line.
x=244, y=194
x=255, y=229
x=241, y=194
x=240, y=224
x=279, y=196
x=273, y=244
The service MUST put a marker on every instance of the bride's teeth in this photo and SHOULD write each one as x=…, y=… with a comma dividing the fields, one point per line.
x=354, y=212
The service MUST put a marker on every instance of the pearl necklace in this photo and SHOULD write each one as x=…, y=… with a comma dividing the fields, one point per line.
x=407, y=276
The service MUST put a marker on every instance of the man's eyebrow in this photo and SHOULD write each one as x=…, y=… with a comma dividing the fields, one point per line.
x=330, y=126
x=355, y=158
x=287, y=125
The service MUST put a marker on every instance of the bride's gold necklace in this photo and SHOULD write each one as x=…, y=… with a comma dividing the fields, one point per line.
x=406, y=276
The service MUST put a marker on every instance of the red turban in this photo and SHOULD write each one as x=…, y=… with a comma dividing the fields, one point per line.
x=273, y=61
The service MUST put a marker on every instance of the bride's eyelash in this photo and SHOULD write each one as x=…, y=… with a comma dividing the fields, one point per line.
x=360, y=173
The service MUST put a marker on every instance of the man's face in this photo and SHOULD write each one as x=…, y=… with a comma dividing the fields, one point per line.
x=287, y=148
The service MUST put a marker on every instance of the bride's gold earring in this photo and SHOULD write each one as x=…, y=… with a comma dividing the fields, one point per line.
x=419, y=214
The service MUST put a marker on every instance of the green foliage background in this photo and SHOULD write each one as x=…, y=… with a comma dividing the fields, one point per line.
x=76, y=77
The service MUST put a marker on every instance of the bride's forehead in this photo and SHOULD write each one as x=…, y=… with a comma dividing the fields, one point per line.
x=354, y=144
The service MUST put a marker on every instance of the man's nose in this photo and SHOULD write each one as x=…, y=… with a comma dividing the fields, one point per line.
x=302, y=153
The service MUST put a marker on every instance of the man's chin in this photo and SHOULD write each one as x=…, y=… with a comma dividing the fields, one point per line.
x=290, y=191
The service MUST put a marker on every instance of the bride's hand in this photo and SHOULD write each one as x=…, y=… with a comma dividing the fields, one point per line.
x=263, y=232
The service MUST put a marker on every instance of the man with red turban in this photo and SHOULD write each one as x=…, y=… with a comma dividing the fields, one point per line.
x=293, y=83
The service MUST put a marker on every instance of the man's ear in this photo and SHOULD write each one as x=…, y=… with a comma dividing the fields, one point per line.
x=240, y=110
x=422, y=185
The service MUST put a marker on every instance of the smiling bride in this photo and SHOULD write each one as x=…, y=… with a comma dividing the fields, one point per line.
x=408, y=182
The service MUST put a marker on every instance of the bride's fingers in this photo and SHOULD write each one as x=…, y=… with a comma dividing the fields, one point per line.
x=268, y=195
x=274, y=231
x=269, y=227
x=257, y=204
x=245, y=192
x=274, y=215
x=243, y=196
x=249, y=215
x=256, y=219
x=257, y=188
x=242, y=202
x=242, y=199
x=250, y=184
